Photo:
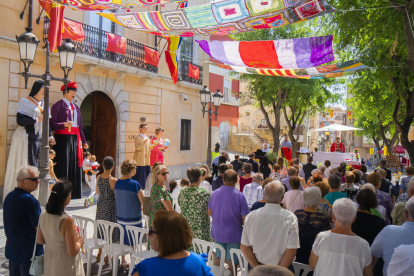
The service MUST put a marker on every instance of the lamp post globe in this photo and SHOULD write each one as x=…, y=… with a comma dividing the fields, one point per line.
x=67, y=53
x=217, y=98
x=205, y=95
x=28, y=43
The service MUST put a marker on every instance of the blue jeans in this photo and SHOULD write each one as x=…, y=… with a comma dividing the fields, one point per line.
x=227, y=247
x=19, y=269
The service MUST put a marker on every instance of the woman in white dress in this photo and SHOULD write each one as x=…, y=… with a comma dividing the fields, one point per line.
x=27, y=138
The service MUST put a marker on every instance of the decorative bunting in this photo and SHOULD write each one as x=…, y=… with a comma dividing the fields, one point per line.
x=73, y=30
x=349, y=114
x=116, y=44
x=325, y=71
x=331, y=112
x=222, y=18
x=99, y=5
x=193, y=71
x=151, y=56
x=285, y=53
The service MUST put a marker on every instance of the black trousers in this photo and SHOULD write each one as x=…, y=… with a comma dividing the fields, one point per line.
x=67, y=162
x=215, y=170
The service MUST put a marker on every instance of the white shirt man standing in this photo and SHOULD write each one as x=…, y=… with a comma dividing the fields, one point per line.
x=270, y=234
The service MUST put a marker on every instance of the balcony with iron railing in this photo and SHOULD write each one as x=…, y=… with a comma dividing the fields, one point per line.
x=95, y=43
x=183, y=72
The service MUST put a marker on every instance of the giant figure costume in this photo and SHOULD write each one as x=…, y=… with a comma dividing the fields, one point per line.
x=69, y=141
x=142, y=156
x=27, y=138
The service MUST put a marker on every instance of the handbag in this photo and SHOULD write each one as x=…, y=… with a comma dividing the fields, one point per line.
x=37, y=265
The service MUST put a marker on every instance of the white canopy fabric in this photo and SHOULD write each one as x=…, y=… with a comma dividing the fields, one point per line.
x=337, y=127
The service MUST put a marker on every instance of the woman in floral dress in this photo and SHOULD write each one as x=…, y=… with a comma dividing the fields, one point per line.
x=160, y=196
x=193, y=202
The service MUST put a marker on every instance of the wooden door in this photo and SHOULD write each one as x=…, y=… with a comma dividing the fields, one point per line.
x=103, y=128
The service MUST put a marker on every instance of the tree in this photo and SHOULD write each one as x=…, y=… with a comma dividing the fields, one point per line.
x=379, y=33
x=294, y=97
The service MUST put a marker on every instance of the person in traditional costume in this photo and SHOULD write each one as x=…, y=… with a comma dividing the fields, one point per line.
x=142, y=155
x=66, y=122
x=158, y=148
x=27, y=138
x=338, y=146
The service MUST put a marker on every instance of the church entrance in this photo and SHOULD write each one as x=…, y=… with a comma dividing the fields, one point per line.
x=99, y=125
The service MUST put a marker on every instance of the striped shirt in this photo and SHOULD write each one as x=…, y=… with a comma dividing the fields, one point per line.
x=253, y=192
x=128, y=206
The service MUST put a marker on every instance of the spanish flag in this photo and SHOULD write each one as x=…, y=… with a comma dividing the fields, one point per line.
x=55, y=13
x=171, y=56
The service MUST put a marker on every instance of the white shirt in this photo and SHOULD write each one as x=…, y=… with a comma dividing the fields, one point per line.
x=270, y=230
x=174, y=195
x=206, y=185
x=87, y=164
x=75, y=121
x=327, y=172
x=402, y=261
x=267, y=148
x=340, y=255
x=253, y=192
x=293, y=200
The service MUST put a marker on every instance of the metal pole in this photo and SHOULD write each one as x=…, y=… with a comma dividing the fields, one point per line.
x=209, y=135
x=29, y=25
x=44, y=150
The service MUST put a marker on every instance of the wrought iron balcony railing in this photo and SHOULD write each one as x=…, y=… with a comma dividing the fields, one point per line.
x=95, y=44
x=183, y=75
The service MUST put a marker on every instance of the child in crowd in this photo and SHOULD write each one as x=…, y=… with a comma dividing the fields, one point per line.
x=276, y=173
x=53, y=178
x=87, y=166
x=94, y=167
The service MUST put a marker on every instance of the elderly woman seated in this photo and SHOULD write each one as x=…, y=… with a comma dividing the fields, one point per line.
x=311, y=223
x=339, y=251
x=366, y=224
x=170, y=236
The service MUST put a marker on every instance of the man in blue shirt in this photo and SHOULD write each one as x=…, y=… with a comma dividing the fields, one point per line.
x=393, y=236
x=21, y=213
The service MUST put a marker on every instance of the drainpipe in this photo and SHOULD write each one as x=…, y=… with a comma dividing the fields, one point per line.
x=156, y=37
x=29, y=25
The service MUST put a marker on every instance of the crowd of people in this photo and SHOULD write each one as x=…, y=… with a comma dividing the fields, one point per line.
x=337, y=221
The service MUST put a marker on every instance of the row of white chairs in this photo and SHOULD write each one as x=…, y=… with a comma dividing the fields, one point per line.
x=138, y=253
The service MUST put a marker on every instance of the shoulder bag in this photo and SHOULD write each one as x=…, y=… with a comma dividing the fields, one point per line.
x=37, y=265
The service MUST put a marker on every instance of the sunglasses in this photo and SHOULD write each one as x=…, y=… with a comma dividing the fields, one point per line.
x=34, y=179
x=164, y=173
x=150, y=232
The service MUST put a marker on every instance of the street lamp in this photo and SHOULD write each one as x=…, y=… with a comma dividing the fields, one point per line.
x=28, y=43
x=207, y=98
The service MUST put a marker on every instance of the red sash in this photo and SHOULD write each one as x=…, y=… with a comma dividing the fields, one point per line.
x=74, y=131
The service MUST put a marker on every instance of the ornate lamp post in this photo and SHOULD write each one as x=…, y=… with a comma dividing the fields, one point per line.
x=27, y=47
x=207, y=97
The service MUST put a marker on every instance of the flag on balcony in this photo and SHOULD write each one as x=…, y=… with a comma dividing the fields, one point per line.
x=171, y=56
x=349, y=114
x=116, y=44
x=331, y=112
x=193, y=71
x=55, y=13
x=151, y=56
x=73, y=30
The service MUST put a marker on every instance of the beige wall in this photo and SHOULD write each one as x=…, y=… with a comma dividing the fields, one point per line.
x=135, y=93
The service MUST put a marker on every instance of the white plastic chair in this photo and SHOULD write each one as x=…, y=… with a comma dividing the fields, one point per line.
x=208, y=248
x=136, y=240
x=115, y=250
x=244, y=265
x=146, y=219
x=90, y=243
x=298, y=267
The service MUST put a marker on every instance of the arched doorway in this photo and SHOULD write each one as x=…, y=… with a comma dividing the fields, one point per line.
x=99, y=125
x=224, y=135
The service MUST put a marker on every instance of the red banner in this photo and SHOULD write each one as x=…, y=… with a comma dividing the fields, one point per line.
x=55, y=13
x=73, y=30
x=151, y=56
x=116, y=44
x=193, y=71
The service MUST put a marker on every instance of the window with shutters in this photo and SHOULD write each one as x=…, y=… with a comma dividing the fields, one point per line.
x=185, y=140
